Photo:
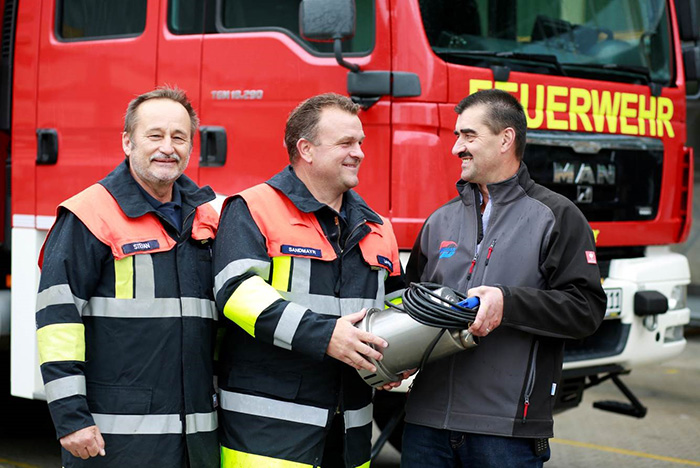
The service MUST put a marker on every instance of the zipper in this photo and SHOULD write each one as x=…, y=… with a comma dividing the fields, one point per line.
x=471, y=267
x=358, y=226
x=530, y=381
x=488, y=254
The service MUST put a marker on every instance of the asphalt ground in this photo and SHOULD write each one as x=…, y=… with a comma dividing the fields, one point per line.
x=669, y=435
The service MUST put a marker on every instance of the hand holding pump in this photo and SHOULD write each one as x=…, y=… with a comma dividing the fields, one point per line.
x=431, y=324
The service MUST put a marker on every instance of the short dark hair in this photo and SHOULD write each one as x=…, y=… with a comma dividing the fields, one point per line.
x=162, y=92
x=502, y=111
x=303, y=120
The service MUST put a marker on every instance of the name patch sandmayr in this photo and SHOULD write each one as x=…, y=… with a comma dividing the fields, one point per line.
x=140, y=246
x=296, y=250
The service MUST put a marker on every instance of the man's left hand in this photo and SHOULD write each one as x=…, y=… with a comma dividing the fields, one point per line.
x=490, y=310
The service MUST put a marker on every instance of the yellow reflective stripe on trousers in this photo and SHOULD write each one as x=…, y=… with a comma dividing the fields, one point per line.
x=235, y=459
x=124, y=278
x=61, y=342
x=364, y=465
x=281, y=269
x=248, y=301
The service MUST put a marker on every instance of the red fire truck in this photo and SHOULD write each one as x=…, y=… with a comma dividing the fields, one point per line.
x=603, y=83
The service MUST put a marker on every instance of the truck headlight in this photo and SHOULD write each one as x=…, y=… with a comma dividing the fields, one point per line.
x=678, y=298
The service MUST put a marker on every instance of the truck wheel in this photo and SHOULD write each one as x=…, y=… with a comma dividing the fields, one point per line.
x=386, y=406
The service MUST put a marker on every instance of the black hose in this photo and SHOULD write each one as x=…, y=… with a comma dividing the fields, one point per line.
x=425, y=306
x=434, y=310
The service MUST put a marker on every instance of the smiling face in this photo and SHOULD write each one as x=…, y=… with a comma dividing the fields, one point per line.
x=159, y=146
x=334, y=158
x=486, y=157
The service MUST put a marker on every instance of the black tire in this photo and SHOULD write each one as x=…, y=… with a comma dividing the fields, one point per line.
x=386, y=405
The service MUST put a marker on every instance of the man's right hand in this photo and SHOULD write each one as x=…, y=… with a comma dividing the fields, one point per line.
x=84, y=443
x=350, y=344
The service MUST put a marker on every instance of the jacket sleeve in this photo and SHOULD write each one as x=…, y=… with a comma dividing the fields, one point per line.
x=573, y=305
x=71, y=270
x=244, y=294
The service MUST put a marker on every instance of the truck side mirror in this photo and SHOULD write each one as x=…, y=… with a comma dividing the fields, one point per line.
x=687, y=12
x=691, y=62
x=329, y=21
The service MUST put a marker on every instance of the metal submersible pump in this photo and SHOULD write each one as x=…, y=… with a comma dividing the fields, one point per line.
x=431, y=324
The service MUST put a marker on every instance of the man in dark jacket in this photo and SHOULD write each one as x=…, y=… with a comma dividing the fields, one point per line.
x=528, y=254
x=298, y=259
x=125, y=312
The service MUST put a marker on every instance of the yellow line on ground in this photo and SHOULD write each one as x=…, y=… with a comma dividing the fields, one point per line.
x=631, y=453
x=17, y=464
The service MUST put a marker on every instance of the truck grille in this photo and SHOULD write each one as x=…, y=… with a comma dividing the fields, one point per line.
x=609, y=177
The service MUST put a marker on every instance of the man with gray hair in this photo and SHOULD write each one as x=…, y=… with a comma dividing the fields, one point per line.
x=298, y=261
x=125, y=313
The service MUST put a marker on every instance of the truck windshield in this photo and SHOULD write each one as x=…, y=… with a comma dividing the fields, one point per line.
x=616, y=40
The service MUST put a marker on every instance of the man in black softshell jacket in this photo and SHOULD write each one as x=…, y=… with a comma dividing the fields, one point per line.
x=529, y=255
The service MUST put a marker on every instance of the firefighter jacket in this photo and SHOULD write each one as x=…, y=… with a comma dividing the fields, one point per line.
x=539, y=249
x=126, y=323
x=287, y=266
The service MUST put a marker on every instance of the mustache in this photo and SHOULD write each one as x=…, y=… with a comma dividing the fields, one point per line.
x=464, y=154
x=164, y=156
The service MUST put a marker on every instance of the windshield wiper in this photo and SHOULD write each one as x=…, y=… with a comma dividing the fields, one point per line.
x=642, y=72
x=547, y=59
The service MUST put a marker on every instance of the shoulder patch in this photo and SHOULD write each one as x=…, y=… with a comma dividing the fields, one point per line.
x=386, y=262
x=591, y=258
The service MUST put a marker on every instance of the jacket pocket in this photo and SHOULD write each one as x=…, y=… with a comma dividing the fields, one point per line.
x=114, y=399
x=265, y=381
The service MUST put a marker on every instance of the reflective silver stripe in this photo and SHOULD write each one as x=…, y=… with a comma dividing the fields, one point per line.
x=326, y=305
x=153, y=308
x=329, y=305
x=301, y=275
x=269, y=408
x=381, y=278
x=351, y=305
x=237, y=268
x=155, y=423
x=358, y=418
x=65, y=387
x=201, y=422
x=288, y=324
x=393, y=295
x=57, y=295
x=144, y=277
x=138, y=424
x=200, y=308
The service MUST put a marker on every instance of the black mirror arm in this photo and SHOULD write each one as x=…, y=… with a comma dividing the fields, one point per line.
x=337, y=49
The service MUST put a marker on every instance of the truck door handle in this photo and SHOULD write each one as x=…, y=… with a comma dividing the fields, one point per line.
x=46, y=146
x=213, y=146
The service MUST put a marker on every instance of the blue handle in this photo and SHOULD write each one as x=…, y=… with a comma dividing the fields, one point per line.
x=469, y=303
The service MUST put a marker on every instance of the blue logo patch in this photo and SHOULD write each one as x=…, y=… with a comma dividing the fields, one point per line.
x=447, y=249
x=140, y=246
x=306, y=251
x=385, y=262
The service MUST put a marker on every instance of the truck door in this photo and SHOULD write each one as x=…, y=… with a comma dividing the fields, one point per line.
x=93, y=59
x=256, y=69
